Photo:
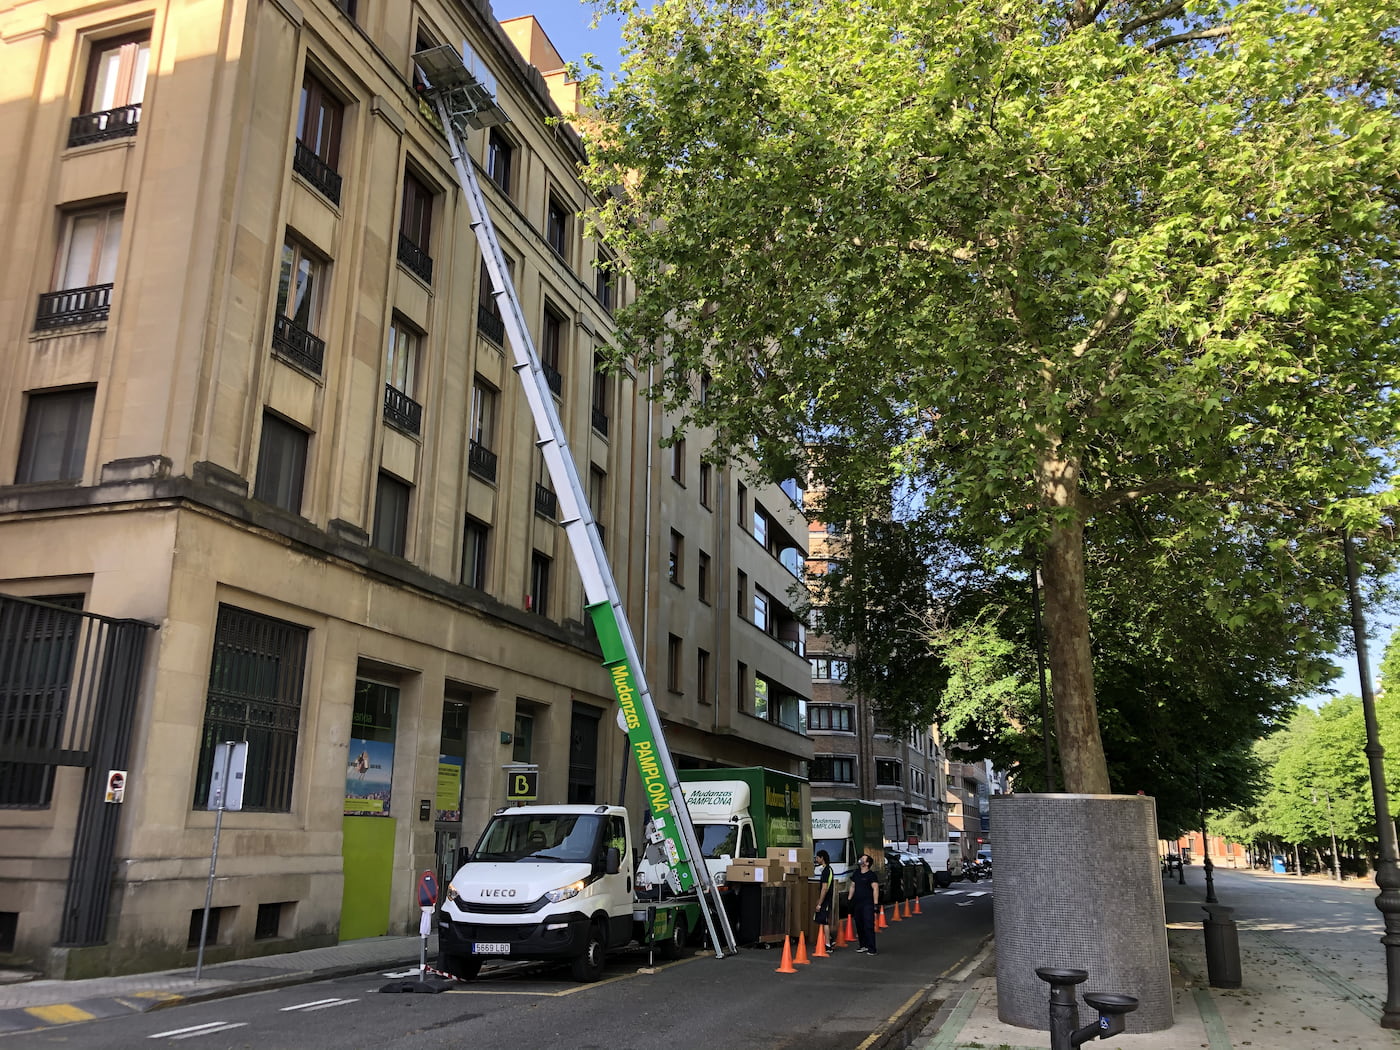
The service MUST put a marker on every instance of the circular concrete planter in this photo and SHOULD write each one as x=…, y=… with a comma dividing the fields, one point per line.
x=1078, y=884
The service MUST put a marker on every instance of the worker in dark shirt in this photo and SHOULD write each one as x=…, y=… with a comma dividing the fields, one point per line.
x=864, y=896
x=826, y=879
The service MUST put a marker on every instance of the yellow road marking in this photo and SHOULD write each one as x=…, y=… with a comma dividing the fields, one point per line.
x=59, y=1013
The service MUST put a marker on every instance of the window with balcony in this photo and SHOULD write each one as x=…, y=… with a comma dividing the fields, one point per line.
x=488, y=314
x=113, y=90
x=675, y=567
x=416, y=227
x=538, y=599
x=475, y=538
x=281, y=464
x=831, y=718
x=299, y=307
x=556, y=227
x=552, y=330
x=391, y=500
x=85, y=269
x=317, y=149
x=54, y=444
x=500, y=157
x=833, y=769
x=605, y=281
x=888, y=773
x=401, y=411
x=481, y=460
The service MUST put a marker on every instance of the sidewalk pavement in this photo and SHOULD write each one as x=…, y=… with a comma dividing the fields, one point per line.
x=1305, y=986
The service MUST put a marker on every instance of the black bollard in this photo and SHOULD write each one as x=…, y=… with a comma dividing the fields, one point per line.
x=1222, y=947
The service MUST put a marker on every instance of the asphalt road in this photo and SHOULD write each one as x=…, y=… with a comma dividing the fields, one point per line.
x=736, y=1003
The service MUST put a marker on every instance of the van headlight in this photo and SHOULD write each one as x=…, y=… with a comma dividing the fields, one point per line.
x=563, y=893
x=451, y=892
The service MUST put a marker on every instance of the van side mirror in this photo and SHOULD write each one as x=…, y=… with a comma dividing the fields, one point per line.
x=612, y=861
x=464, y=854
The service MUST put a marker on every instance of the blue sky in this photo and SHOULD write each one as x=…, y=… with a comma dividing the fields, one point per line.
x=566, y=22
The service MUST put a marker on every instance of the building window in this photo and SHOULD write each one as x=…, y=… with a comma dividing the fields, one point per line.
x=551, y=348
x=85, y=269
x=706, y=479
x=556, y=227
x=832, y=718
x=349, y=7
x=703, y=683
x=56, y=426
x=742, y=501
x=281, y=464
x=523, y=739
x=678, y=459
x=743, y=589
x=702, y=577
x=600, y=396
x=887, y=773
x=38, y=650
x=761, y=616
x=761, y=523
x=475, y=535
x=499, y=157
x=538, y=598
x=391, y=515
x=488, y=314
x=113, y=90
x=741, y=685
x=255, y=684
x=673, y=663
x=481, y=460
x=605, y=286
x=833, y=769
x=317, y=149
x=674, y=562
x=826, y=668
x=416, y=227
x=299, y=306
x=401, y=377
x=597, y=492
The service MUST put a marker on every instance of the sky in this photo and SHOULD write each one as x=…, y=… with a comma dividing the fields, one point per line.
x=566, y=23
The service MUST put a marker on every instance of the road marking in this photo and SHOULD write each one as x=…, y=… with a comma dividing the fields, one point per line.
x=402, y=973
x=199, y=1029
x=59, y=1013
x=318, y=1004
x=888, y=1023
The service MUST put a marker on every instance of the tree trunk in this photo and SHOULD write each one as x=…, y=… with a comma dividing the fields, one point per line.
x=1067, y=635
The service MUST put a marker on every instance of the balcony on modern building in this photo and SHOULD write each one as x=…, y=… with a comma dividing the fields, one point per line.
x=73, y=306
x=108, y=124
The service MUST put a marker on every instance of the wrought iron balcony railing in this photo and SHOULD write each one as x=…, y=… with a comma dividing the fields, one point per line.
x=298, y=345
x=481, y=461
x=109, y=124
x=402, y=412
x=415, y=258
x=489, y=324
x=553, y=378
x=546, y=502
x=600, y=421
x=316, y=171
x=74, y=306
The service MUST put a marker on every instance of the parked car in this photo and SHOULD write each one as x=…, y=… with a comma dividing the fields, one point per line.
x=909, y=875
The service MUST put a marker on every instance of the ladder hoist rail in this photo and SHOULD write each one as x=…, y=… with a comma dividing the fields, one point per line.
x=464, y=101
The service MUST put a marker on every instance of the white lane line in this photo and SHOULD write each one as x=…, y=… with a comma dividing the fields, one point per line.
x=403, y=973
x=199, y=1029
x=318, y=1004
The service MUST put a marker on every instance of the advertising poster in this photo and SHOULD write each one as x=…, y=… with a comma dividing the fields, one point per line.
x=449, y=787
x=368, y=778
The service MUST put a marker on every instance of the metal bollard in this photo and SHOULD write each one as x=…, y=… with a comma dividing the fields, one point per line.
x=1222, y=947
x=1065, y=1033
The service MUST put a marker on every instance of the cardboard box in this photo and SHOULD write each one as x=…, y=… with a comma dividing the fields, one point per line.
x=790, y=854
x=802, y=871
x=753, y=871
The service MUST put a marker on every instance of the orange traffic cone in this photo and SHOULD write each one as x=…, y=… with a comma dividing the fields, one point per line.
x=802, y=959
x=894, y=913
x=786, y=966
x=820, y=952
x=917, y=909
x=880, y=923
x=907, y=913
x=845, y=933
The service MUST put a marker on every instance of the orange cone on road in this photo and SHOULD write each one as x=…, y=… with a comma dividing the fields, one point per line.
x=880, y=923
x=894, y=913
x=907, y=913
x=820, y=952
x=786, y=966
x=845, y=933
x=917, y=909
x=802, y=959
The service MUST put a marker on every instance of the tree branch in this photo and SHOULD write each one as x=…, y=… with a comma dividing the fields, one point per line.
x=1102, y=325
x=1148, y=19
x=1181, y=38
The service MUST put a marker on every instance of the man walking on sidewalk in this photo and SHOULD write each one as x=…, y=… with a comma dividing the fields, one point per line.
x=864, y=896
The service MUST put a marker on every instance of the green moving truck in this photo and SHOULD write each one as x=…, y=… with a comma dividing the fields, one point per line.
x=846, y=828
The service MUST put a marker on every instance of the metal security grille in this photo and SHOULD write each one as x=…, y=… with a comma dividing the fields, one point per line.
x=255, y=683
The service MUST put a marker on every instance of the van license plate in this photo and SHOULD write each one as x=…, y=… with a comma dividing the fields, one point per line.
x=491, y=948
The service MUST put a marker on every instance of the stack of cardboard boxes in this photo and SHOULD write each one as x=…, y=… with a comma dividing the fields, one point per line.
x=790, y=895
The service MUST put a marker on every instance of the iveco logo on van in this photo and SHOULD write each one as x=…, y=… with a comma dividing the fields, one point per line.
x=498, y=893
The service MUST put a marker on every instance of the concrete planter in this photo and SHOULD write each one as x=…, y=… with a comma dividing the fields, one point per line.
x=1078, y=884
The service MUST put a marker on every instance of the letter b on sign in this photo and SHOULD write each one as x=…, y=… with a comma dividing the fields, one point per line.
x=522, y=785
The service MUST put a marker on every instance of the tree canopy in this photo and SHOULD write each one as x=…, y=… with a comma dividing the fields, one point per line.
x=1054, y=264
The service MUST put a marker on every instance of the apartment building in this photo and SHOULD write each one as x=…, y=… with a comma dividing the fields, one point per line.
x=266, y=476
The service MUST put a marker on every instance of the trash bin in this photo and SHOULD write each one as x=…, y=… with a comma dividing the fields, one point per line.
x=1222, y=947
x=1280, y=867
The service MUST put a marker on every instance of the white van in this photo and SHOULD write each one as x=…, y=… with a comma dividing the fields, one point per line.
x=946, y=863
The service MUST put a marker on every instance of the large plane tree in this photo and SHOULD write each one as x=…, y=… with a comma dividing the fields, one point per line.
x=1048, y=262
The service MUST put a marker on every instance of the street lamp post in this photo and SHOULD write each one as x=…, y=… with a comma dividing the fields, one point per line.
x=1207, y=866
x=1388, y=864
x=1332, y=828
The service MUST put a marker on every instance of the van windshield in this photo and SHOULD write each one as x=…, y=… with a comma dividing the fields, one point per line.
x=717, y=840
x=541, y=838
